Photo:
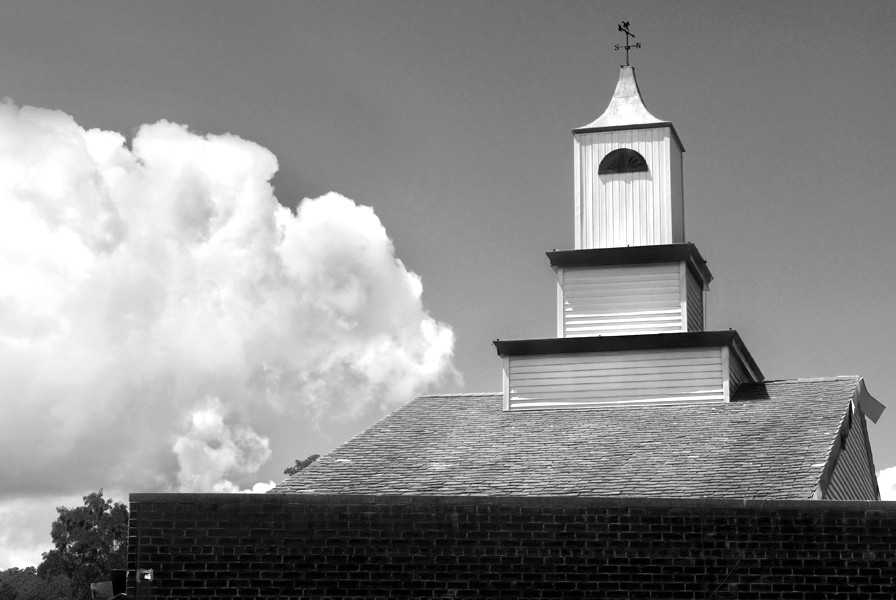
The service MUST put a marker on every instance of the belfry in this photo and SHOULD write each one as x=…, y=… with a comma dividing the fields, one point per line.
x=628, y=179
x=628, y=176
x=631, y=296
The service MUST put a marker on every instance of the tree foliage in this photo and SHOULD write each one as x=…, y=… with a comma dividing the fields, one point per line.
x=26, y=584
x=300, y=464
x=89, y=541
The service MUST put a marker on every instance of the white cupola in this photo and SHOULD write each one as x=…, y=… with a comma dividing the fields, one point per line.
x=631, y=296
x=628, y=175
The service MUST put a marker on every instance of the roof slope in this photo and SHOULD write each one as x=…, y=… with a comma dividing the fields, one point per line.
x=772, y=441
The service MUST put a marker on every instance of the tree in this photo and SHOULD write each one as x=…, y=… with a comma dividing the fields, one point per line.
x=90, y=541
x=26, y=584
x=300, y=464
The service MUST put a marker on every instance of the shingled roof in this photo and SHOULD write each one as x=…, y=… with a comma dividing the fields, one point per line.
x=773, y=440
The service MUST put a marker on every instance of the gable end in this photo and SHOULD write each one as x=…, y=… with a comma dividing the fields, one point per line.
x=849, y=472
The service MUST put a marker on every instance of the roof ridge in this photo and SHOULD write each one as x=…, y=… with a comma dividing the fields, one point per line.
x=462, y=395
x=812, y=379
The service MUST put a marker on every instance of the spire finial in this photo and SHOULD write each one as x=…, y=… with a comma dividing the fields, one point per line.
x=623, y=27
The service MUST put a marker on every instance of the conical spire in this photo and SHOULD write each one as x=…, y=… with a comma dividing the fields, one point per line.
x=626, y=107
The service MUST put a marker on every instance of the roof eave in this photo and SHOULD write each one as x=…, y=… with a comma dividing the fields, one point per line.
x=629, y=255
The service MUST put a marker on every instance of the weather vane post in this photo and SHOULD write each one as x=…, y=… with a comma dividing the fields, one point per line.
x=623, y=27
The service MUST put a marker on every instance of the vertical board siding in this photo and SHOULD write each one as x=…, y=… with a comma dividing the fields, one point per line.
x=682, y=375
x=621, y=300
x=627, y=209
x=577, y=175
x=676, y=192
x=695, y=303
x=851, y=478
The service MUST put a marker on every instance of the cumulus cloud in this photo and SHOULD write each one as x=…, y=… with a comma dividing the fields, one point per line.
x=156, y=299
x=211, y=451
x=886, y=481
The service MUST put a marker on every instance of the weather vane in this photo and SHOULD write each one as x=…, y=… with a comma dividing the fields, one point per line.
x=624, y=29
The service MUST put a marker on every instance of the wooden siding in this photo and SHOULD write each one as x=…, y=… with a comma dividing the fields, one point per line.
x=676, y=184
x=695, y=303
x=688, y=375
x=624, y=300
x=851, y=477
x=736, y=372
x=628, y=209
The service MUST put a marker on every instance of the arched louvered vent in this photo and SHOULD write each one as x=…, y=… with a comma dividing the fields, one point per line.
x=622, y=160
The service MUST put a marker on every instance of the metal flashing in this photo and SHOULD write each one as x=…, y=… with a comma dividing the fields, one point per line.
x=871, y=407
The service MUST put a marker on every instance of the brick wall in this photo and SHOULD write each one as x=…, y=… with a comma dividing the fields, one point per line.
x=293, y=546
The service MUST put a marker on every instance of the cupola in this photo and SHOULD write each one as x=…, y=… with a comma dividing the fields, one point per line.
x=628, y=179
x=631, y=295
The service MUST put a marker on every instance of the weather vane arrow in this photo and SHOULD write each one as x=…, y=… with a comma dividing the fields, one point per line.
x=623, y=27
